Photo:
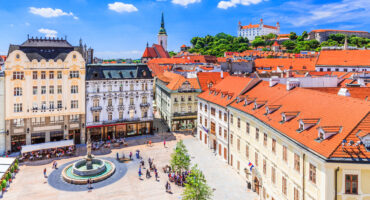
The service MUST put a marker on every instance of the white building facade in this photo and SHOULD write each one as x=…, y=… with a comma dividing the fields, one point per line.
x=119, y=101
x=252, y=30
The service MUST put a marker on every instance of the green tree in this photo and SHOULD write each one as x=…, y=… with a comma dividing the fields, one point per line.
x=196, y=187
x=337, y=37
x=172, y=53
x=258, y=43
x=305, y=34
x=180, y=159
x=288, y=44
x=293, y=36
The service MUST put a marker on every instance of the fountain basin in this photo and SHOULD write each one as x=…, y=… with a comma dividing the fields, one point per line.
x=80, y=167
x=77, y=173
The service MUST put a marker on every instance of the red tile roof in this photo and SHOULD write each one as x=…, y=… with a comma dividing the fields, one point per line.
x=307, y=64
x=331, y=30
x=205, y=78
x=344, y=58
x=174, y=81
x=231, y=84
x=156, y=51
x=356, y=92
x=251, y=26
x=332, y=110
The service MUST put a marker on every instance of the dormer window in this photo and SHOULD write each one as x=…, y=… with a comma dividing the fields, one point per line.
x=271, y=108
x=230, y=95
x=287, y=116
x=249, y=100
x=239, y=99
x=258, y=104
x=305, y=124
x=326, y=132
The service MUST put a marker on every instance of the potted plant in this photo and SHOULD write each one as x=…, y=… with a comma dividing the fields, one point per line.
x=16, y=167
x=12, y=171
x=1, y=189
x=9, y=175
x=3, y=185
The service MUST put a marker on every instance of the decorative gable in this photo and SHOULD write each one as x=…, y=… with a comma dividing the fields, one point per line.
x=271, y=108
x=259, y=104
x=326, y=132
x=287, y=116
x=307, y=123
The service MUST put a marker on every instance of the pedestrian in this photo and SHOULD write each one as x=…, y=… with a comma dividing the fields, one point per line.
x=45, y=172
x=140, y=173
x=157, y=129
x=150, y=143
x=148, y=174
x=169, y=188
x=156, y=175
x=56, y=165
x=130, y=155
x=164, y=143
x=167, y=184
x=142, y=164
x=117, y=156
x=53, y=164
x=89, y=182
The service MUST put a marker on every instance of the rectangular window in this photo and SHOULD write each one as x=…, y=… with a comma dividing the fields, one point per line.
x=312, y=173
x=43, y=105
x=59, y=75
x=74, y=89
x=264, y=166
x=200, y=106
x=74, y=104
x=231, y=119
x=273, y=175
x=34, y=75
x=213, y=111
x=18, y=75
x=257, y=134
x=220, y=131
x=120, y=102
x=296, y=162
x=200, y=119
x=225, y=117
x=220, y=114
x=231, y=139
x=225, y=134
x=60, y=105
x=247, y=127
x=296, y=194
x=247, y=151
x=17, y=91
x=18, y=107
x=265, y=139
x=238, y=123
x=59, y=89
x=213, y=128
x=51, y=89
x=110, y=102
x=74, y=74
x=351, y=184
x=43, y=74
x=34, y=90
x=205, y=123
x=51, y=105
x=285, y=154
x=256, y=158
x=273, y=146
x=51, y=75
x=120, y=115
x=238, y=144
x=205, y=108
x=43, y=89
x=283, y=186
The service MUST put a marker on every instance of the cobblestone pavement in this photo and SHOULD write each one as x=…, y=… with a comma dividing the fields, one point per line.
x=30, y=183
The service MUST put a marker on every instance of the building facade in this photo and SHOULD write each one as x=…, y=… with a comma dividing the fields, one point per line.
x=252, y=30
x=343, y=61
x=119, y=101
x=176, y=100
x=2, y=113
x=323, y=34
x=44, y=93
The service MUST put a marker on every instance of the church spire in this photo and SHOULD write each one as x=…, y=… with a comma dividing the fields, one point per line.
x=162, y=30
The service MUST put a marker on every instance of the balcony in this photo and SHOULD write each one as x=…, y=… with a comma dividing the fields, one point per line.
x=177, y=114
x=96, y=108
x=144, y=105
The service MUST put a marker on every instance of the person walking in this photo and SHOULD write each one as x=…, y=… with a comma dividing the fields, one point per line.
x=148, y=174
x=167, y=184
x=156, y=175
x=45, y=173
x=164, y=143
x=55, y=165
x=139, y=173
x=89, y=182
x=130, y=155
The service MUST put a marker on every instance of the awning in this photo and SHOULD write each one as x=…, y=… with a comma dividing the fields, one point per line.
x=48, y=145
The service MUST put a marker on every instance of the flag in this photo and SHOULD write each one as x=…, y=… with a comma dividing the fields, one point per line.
x=251, y=168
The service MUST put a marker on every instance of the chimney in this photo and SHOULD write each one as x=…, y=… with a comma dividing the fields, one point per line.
x=222, y=74
x=292, y=83
x=273, y=81
x=344, y=92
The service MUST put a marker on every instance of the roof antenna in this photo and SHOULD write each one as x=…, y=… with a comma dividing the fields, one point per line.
x=65, y=37
x=28, y=36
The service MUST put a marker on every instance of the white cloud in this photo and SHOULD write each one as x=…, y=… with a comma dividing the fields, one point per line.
x=48, y=32
x=50, y=12
x=122, y=7
x=345, y=11
x=27, y=24
x=185, y=2
x=233, y=3
x=134, y=54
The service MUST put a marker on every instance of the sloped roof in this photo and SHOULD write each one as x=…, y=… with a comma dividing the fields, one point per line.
x=286, y=63
x=332, y=30
x=231, y=84
x=175, y=81
x=356, y=92
x=156, y=51
x=332, y=110
x=117, y=71
x=344, y=58
x=205, y=78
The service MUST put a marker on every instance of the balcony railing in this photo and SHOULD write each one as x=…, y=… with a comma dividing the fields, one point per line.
x=178, y=114
x=144, y=105
x=96, y=108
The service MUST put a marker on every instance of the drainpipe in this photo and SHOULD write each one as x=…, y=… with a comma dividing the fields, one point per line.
x=303, y=178
x=335, y=182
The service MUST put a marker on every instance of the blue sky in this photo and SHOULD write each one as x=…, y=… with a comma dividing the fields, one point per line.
x=121, y=28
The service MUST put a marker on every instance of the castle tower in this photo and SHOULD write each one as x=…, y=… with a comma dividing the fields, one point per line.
x=162, y=35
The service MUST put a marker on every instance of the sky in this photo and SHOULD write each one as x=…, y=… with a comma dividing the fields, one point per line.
x=121, y=28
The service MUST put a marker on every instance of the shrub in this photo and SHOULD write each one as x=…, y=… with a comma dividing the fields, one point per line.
x=16, y=166
x=3, y=184
x=16, y=161
x=12, y=169
x=9, y=175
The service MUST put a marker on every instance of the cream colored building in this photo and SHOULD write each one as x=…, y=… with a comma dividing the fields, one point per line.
x=301, y=144
x=44, y=92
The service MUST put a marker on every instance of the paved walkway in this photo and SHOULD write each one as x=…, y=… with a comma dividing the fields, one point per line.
x=220, y=176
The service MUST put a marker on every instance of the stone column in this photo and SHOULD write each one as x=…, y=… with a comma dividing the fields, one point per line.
x=83, y=129
x=47, y=136
x=29, y=134
x=64, y=128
